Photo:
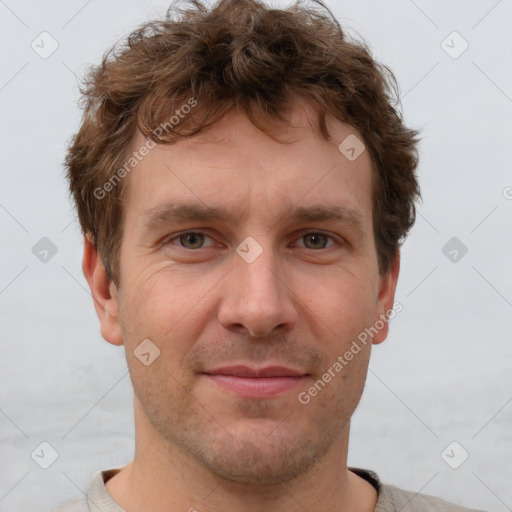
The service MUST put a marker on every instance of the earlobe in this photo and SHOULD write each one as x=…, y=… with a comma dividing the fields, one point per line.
x=385, y=300
x=104, y=293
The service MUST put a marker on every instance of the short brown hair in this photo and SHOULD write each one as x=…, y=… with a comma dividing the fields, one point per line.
x=243, y=54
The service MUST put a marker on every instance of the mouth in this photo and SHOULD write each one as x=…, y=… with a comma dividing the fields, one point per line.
x=249, y=382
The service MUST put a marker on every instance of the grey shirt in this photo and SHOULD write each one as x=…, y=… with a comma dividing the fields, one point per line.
x=390, y=498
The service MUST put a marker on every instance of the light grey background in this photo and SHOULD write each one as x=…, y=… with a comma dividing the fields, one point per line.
x=443, y=375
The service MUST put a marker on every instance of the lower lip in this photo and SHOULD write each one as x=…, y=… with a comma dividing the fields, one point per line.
x=257, y=387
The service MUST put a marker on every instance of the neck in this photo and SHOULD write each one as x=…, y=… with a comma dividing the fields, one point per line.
x=162, y=478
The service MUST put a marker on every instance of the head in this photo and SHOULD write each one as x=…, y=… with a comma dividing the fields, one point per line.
x=243, y=182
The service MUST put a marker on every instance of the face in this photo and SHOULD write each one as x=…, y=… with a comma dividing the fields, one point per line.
x=251, y=266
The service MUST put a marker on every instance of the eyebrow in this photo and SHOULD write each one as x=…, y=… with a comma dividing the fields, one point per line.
x=173, y=212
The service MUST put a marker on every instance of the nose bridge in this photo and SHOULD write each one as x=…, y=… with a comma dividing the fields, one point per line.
x=256, y=298
x=259, y=277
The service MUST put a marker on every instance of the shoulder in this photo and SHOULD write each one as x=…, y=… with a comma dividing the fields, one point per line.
x=97, y=498
x=394, y=498
x=76, y=505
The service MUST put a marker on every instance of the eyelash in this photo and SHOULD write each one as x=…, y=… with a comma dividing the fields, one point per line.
x=168, y=240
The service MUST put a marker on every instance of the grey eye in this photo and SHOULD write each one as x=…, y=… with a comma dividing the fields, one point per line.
x=191, y=240
x=318, y=240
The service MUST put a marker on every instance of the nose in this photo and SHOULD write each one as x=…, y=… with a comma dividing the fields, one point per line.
x=257, y=298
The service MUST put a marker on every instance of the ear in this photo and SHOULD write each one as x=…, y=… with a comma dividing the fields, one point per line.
x=385, y=300
x=104, y=293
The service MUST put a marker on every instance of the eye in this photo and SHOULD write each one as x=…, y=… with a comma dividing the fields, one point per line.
x=315, y=240
x=190, y=240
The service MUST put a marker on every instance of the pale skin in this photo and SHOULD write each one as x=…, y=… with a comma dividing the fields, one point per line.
x=314, y=287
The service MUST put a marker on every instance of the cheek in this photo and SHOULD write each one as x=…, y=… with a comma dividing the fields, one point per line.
x=157, y=309
x=167, y=307
x=346, y=305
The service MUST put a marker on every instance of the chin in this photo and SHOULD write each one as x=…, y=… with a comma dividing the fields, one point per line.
x=267, y=462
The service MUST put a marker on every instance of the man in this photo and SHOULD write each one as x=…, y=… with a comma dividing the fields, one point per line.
x=243, y=184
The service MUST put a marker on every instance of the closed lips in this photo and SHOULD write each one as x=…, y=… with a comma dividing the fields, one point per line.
x=247, y=372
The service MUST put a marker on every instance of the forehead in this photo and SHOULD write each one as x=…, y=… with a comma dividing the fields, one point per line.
x=235, y=166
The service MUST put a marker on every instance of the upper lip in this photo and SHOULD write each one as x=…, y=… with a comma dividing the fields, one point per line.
x=246, y=371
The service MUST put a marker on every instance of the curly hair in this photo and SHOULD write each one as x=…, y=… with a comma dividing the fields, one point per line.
x=236, y=54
